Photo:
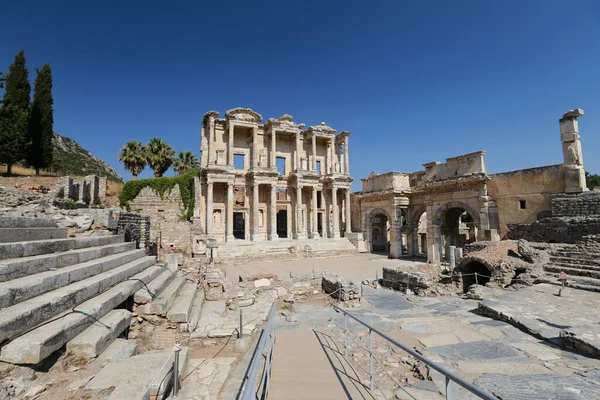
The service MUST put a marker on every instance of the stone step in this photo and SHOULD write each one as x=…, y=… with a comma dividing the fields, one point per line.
x=165, y=299
x=571, y=260
x=145, y=294
x=23, y=266
x=18, y=319
x=576, y=265
x=585, y=255
x=182, y=306
x=578, y=283
x=195, y=314
x=39, y=343
x=139, y=377
x=9, y=235
x=572, y=271
x=119, y=349
x=28, y=287
x=27, y=222
x=96, y=338
x=37, y=247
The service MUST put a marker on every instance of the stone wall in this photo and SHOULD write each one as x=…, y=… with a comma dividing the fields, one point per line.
x=91, y=190
x=397, y=279
x=135, y=228
x=576, y=205
x=338, y=289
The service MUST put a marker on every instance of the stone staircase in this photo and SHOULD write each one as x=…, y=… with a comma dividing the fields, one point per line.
x=581, y=266
x=244, y=251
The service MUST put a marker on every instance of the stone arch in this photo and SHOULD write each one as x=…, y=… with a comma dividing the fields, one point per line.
x=377, y=231
x=379, y=211
x=471, y=265
x=413, y=232
x=437, y=220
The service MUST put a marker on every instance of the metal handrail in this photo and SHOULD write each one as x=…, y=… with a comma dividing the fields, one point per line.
x=267, y=341
x=450, y=377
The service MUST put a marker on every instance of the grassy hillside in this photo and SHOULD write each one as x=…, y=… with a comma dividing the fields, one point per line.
x=69, y=158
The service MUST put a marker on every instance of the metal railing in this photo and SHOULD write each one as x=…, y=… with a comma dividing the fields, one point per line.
x=257, y=387
x=449, y=376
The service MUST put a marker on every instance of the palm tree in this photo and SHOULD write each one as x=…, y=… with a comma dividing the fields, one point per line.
x=133, y=156
x=186, y=161
x=159, y=156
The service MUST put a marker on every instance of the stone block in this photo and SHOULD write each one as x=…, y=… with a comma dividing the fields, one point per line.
x=182, y=306
x=95, y=339
x=8, y=235
x=164, y=301
x=144, y=295
x=119, y=349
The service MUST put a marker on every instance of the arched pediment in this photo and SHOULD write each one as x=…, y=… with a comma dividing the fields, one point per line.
x=455, y=204
x=244, y=114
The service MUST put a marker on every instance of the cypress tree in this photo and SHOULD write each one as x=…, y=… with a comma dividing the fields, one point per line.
x=41, y=122
x=14, y=113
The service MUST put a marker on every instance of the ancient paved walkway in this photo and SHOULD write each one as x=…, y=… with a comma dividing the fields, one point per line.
x=306, y=367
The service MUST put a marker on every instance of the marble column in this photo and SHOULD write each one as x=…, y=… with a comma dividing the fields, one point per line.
x=209, y=209
x=254, y=163
x=336, y=214
x=314, y=153
x=346, y=157
x=229, y=232
x=332, y=150
x=273, y=149
x=212, y=153
x=273, y=214
x=348, y=215
x=299, y=223
x=255, y=218
x=298, y=152
x=230, y=145
x=315, y=218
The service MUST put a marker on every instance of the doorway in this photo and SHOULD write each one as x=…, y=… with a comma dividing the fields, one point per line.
x=239, y=225
x=282, y=224
x=320, y=223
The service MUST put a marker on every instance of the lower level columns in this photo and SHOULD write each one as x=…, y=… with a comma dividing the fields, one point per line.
x=300, y=232
x=255, y=225
x=209, y=209
x=229, y=227
x=347, y=209
x=336, y=214
x=273, y=214
x=315, y=216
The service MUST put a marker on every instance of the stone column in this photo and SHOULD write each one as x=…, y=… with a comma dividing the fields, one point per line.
x=211, y=140
x=299, y=229
x=273, y=214
x=273, y=149
x=315, y=219
x=348, y=215
x=451, y=257
x=346, y=157
x=336, y=214
x=572, y=153
x=297, y=151
x=229, y=227
x=332, y=156
x=209, y=208
x=255, y=220
x=254, y=163
x=314, y=152
x=230, y=145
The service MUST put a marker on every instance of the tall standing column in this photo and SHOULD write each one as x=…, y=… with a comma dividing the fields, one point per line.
x=314, y=219
x=314, y=152
x=346, y=157
x=273, y=214
x=332, y=156
x=209, y=208
x=298, y=151
x=347, y=209
x=336, y=213
x=229, y=233
x=255, y=227
x=254, y=163
x=273, y=148
x=299, y=225
x=230, y=145
x=255, y=219
x=212, y=153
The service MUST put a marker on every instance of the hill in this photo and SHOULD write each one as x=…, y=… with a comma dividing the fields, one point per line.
x=69, y=158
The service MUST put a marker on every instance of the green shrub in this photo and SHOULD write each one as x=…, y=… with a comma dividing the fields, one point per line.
x=163, y=186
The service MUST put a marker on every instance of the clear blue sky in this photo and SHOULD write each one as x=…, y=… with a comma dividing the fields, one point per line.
x=415, y=81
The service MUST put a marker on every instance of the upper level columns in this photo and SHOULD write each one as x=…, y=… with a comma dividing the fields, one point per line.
x=346, y=157
x=230, y=144
x=209, y=208
x=314, y=153
x=273, y=149
x=331, y=162
x=212, y=152
x=254, y=163
x=297, y=151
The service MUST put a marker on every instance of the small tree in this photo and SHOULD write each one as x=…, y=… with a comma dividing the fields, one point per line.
x=41, y=121
x=15, y=113
x=159, y=156
x=133, y=157
x=185, y=162
x=592, y=180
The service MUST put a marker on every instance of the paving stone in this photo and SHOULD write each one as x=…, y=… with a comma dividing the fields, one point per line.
x=441, y=339
x=119, y=349
x=489, y=351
